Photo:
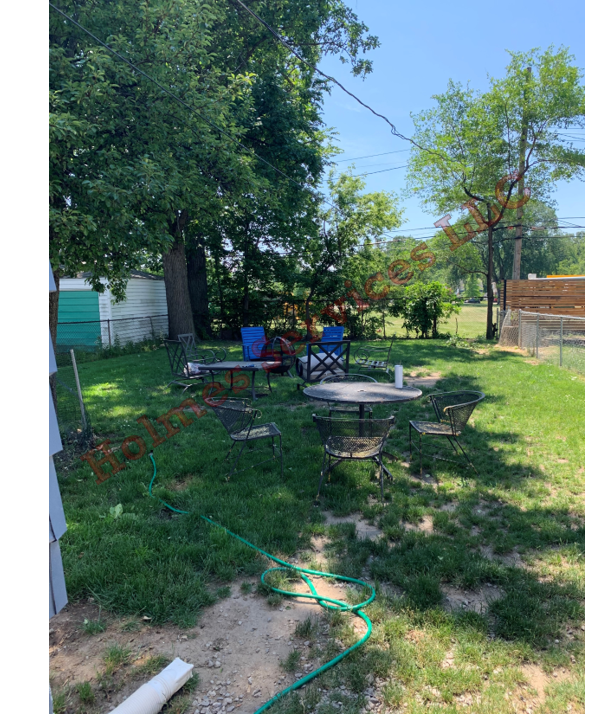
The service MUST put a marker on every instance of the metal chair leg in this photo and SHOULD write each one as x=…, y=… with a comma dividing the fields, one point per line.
x=452, y=444
x=229, y=451
x=281, y=460
x=420, y=454
x=322, y=474
x=467, y=457
x=243, y=446
x=268, y=381
x=381, y=480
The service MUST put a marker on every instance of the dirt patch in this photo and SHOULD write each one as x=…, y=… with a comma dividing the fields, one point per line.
x=471, y=600
x=236, y=648
x=512, y=559
x=424, y=382
x=181, y=484
x=363, y=529
x=425, y=526
x=537, y=680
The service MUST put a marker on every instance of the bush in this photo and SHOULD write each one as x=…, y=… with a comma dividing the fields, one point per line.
x=428, y=303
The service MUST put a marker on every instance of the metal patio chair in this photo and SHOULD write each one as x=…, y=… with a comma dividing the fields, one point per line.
x=238, y=418
x=352, y=439
x=350, y=408
x=453, y=409
x=181, y=367
x=374, y=358
x=207, y=356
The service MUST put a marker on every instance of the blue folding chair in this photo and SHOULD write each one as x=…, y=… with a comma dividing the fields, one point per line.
x=333, y=334
x=254, y=340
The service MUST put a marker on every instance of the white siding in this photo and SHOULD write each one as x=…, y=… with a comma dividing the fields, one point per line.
x=73, y=284
x=145, y=298
x=57, y=523
x=104, y=309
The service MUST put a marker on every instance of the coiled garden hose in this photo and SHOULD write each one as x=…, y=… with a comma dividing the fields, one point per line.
x=326, y=602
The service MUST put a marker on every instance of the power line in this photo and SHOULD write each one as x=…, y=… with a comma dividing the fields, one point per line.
x=190, y=108
x=370, y=173
x=289, y=47
x=372, y=156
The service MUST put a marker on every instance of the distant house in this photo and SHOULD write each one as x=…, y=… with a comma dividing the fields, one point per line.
x=88, y=320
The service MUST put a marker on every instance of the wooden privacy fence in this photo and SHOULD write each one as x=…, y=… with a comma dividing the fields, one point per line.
x=558, y=296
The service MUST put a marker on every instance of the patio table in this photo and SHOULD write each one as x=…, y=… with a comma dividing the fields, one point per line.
x=230, y=365
x=362, y=393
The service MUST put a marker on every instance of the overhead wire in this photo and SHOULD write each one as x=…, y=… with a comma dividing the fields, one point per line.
x=289, y=47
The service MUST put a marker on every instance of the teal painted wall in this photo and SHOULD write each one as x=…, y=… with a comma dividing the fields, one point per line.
x=78, y=306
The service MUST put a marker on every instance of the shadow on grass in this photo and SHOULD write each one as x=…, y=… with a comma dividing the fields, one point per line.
x=168, y=567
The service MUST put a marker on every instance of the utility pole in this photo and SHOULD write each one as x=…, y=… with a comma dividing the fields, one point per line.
x=521, y=186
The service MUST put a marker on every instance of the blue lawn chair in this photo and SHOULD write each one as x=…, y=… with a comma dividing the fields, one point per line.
x=253, y=339
x=333, y=334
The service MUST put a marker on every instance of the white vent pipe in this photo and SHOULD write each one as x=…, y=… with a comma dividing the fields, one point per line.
x=153, y=695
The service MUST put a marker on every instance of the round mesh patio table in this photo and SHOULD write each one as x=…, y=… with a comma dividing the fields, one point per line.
x=362, y=393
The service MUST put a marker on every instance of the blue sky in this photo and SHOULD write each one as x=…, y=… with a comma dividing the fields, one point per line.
x=422, y=46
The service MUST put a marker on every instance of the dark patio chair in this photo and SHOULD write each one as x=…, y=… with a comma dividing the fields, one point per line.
x=374, y=358
x=238, y=418
x=348, y=408
x=186, y=372
x=352, y=439
x=323, y=358
x=207, y=356
x=453, y=409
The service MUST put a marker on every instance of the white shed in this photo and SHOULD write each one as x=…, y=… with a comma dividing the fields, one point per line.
x=89, y=319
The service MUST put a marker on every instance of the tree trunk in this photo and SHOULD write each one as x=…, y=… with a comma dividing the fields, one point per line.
x=490, y=330
x=198, y=286
x=178, y=295
x=245, y=304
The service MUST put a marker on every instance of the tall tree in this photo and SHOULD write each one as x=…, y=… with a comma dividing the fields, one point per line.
x=350, y=223
x=129, y=165
x=471, y=143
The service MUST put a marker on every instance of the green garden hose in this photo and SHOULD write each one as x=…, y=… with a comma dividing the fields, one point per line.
x=326, y=602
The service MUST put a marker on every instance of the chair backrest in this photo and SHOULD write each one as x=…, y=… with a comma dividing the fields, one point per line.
x=189, y=343
x=354, y=433
x=333, y=378
x=455, y=407
x=177, y=358
x=281, y=353
x=333, y=334
x=235, y=414
x=253, y=339
x=324, y=358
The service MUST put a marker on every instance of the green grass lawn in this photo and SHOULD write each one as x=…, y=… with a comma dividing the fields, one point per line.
x=518, y=528
x=470, y=323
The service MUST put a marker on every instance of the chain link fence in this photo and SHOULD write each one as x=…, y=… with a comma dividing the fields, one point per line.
x=97, y=339
x=557, y=339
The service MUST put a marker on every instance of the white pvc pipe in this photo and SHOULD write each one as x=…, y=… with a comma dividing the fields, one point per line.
x=153, y=695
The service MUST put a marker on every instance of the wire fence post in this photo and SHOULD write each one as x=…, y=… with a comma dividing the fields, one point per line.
x=519, y=337
x=151, y=322
x=561, y=342
x=537, y=334
x=84, y=420
x=109, y=332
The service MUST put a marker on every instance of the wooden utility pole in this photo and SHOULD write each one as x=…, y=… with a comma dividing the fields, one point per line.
x=521, y=186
